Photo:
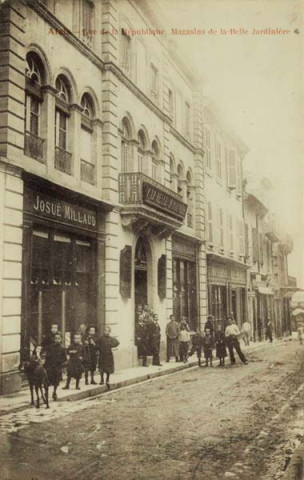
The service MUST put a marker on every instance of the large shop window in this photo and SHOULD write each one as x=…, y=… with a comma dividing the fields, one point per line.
x=184, y=291
x=218, y=304
x=62, y=284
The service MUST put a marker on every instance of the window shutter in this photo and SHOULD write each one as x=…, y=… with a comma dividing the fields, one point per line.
x=162, y=276
x=232, y=174
x=246, y=240
x=210, y=232
x=261, y=245
x=238, y=177
x=255, y=251
x=241, y=237
x=125, y=271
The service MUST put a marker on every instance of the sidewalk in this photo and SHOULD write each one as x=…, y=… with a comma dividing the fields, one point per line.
x=20, y=400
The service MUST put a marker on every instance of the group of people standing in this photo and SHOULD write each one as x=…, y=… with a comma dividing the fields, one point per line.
x=178, y=342
x=181, y=345
x=86, y=351
x=147, y=334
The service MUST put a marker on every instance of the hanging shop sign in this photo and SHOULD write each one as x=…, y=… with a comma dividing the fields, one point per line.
x=163, y=201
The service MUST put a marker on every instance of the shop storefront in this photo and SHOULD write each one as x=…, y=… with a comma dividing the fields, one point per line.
x=62, y=261
x=184, y=264
x=227, y=293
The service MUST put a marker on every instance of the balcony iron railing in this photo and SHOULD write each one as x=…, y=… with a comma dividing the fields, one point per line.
x=138, y=189
x=33, y=146
x=63, y=161
x=87, y=172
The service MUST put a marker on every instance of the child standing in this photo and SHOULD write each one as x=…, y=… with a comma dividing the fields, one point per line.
x=220, y=345
x=75, y=363
x=184, y=338
x=197, y=343
x=208, y=346
x=54, y=361
x=91, y=350
x=105, y=343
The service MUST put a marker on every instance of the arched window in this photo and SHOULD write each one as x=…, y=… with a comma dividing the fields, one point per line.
x=142, y=143
x=63, y=158
x=180, y=178
x=87, y=105
x=87, y=160
x=189, y=199
x=155, y=159
x=172, y=173
x=64, y=89
x=35, y=78
x=126, y=136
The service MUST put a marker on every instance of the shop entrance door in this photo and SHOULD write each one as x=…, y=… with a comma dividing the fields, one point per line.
x=62, y=285
x=141, y=260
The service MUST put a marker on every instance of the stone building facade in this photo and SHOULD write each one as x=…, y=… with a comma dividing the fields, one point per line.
x=102, y=179
x=225, y=241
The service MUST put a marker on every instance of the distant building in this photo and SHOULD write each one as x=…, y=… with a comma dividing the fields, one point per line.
x=225, y=235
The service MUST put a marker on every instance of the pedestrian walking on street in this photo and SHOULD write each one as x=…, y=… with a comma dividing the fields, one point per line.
x=184, y=338
x=142, y=339
x=269, y=330
x=220, y=346
x=197, y=343
x=55, y=358
x=208, y=344
x=246, y=332
x=75, y=367
x=105, y=344
x=172, y=333
x=91, y=352
x=232, y=334
x=156, y=334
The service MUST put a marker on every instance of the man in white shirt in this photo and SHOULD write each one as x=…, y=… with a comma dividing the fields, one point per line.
x=232, y=333
x=246, y=331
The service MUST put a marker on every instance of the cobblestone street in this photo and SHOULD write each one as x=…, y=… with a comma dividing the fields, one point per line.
x=198, y=424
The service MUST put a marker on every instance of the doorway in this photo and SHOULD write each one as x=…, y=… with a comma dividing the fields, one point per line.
x=141, y=272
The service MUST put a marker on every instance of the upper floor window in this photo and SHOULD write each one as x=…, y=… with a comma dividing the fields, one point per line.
x=87, y=106
x=171, y=104
x=126, y=136
x=187, y=126
x=140, y=151
x=232, y=172
x=189, y=200
x=238, y=177
x=218, y=156
x=241, y=237
x=155, y=159
x=180, y=178
x=207, y=148
x=209, y=223
x=126, y=51
x=221, y=226
x=35, y=77
x=87, y=156
x=154, y=83
x=63, y=87
x=231, y=232
x=63, y=158
x=172, y=174
x=87, y=13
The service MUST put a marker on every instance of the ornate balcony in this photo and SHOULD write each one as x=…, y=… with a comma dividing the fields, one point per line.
x=33, y=146
x=148, y=204
x=63, y=161
x=87, y=172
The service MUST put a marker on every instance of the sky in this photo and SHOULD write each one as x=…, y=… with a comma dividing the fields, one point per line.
x=257, y=84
